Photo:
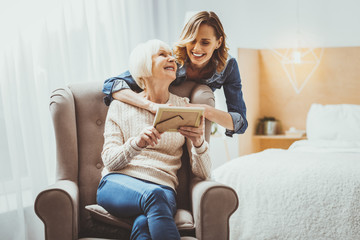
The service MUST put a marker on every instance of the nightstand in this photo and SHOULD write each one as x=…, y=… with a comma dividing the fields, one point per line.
x=276, y=141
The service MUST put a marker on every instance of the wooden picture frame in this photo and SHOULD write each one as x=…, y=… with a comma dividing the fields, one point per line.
x=170, y=119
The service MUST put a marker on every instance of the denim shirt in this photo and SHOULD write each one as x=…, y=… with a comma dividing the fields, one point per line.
x=228, y=78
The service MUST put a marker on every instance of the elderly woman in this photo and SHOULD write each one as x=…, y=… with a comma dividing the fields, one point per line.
x=139, y=178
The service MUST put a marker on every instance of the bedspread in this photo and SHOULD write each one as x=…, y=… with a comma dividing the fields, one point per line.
x=295, y=194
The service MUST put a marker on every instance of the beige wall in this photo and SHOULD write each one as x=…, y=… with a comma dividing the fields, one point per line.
x=268, y=91
x=249, y=67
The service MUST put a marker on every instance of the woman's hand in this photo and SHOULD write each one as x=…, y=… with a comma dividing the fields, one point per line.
x=153, y=107
x=215, y=115
x=148, y=136
x=195, y=134
x=205, y=106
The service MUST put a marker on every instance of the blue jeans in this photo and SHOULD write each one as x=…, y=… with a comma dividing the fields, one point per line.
x=152, y=205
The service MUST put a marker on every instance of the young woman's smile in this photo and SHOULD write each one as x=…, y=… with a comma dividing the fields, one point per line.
x=202, y=48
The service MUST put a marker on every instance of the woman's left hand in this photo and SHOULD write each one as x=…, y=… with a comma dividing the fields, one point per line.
x=195, y=134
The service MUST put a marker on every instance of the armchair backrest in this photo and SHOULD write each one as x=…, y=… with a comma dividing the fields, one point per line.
x=79, y=114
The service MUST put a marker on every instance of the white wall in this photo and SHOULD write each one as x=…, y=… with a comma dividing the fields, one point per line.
x=273, y=24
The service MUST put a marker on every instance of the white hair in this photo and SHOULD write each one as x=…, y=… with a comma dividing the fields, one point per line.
x=140, y=61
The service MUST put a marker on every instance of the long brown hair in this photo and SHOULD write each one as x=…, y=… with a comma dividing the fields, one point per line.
x=190, y=32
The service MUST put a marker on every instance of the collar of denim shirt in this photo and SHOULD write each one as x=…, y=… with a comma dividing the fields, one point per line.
x=216, y=77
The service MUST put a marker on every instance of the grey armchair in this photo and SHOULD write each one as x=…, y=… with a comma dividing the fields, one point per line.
x=68, y=208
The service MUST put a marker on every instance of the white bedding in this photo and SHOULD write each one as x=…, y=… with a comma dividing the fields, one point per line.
x=311, y=191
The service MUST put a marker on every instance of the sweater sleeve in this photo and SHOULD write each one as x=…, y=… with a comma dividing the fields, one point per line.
x=117, y=152
x=200, y=160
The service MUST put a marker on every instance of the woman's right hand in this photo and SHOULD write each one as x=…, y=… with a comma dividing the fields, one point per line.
x=148, y=136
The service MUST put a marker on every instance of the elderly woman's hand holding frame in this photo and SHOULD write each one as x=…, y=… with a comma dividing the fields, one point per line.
x=195, y=134
x=148, y=136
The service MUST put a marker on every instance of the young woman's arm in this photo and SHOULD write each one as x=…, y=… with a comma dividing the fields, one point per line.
x=123, y=88
x=215, y=115
x=234, y=120
x=130, y=97
x=218, y=116
x=234, y=100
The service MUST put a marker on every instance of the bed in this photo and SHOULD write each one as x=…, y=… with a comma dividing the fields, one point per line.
x=310, y=191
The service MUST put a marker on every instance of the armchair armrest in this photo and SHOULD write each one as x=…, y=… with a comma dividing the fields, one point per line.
x=212, y=203
x=58, y=208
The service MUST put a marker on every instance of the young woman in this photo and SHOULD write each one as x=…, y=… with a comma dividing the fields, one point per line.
x=202, y=57
x=139, y=178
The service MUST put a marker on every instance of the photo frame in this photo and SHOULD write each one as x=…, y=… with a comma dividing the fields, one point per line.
x=170, y=119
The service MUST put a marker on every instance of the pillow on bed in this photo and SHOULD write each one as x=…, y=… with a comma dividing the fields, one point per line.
x=333, y=122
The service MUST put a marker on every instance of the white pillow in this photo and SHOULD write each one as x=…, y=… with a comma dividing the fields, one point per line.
x=333, y=122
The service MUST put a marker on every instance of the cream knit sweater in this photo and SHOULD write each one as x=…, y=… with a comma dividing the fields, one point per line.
x=158, y=164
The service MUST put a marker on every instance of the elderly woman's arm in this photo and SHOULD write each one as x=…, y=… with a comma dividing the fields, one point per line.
x=200, y=158
x=117, y=153
x=200, y=161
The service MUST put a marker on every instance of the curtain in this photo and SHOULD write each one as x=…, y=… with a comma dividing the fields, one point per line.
x=47, y=44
